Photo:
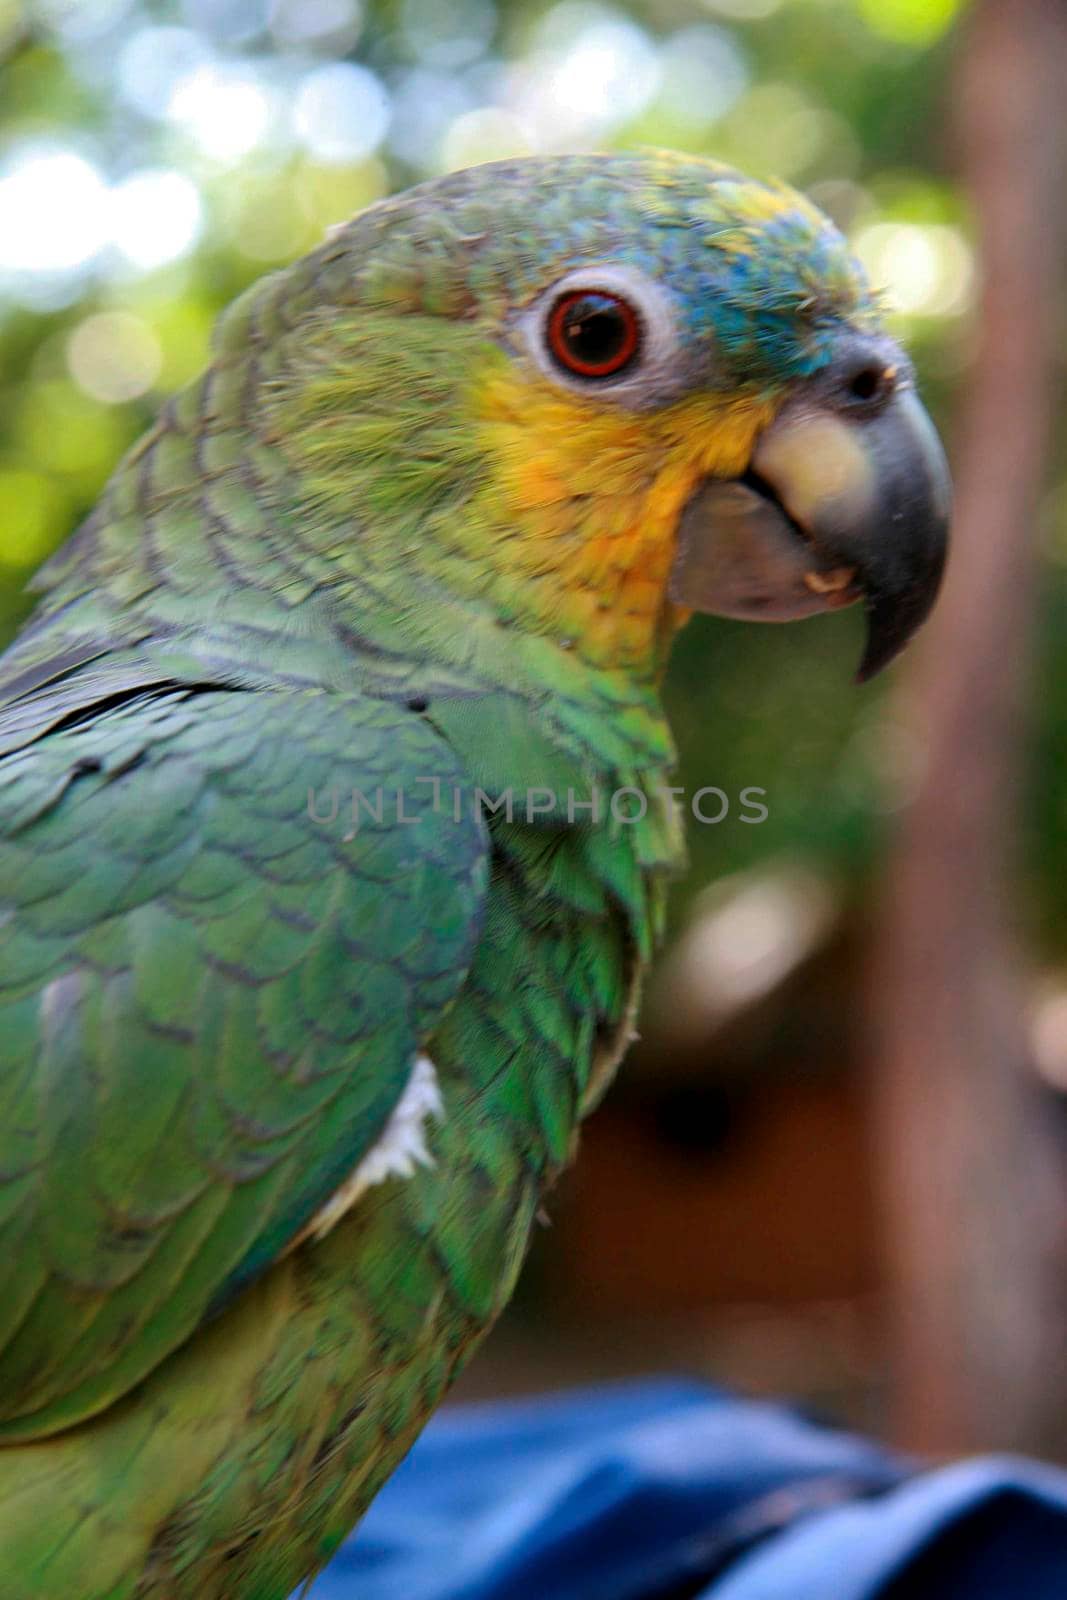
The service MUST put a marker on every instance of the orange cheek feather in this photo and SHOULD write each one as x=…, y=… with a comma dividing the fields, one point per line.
x=590, y=496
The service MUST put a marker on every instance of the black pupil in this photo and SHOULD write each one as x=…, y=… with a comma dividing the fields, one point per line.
x=595, y=329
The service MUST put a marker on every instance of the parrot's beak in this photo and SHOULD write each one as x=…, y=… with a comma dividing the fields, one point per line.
x=847, y=498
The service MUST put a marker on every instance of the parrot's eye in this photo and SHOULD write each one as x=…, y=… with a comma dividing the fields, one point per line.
x=611, y=334
x=592, y=333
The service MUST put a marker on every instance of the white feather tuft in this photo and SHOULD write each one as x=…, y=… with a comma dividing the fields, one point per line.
x=401, y=1148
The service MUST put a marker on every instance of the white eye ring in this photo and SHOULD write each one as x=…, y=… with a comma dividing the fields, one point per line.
x=652, y=375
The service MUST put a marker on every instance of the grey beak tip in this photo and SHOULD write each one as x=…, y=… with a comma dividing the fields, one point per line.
x=894, y=618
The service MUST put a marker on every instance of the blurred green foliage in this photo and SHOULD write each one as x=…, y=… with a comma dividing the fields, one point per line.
x=155, y=158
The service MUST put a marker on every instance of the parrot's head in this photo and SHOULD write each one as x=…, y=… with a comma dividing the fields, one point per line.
x=593, y=394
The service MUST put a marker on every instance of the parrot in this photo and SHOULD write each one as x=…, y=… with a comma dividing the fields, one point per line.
x=319, y=931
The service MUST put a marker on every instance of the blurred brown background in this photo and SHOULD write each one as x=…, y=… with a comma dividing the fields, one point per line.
x=836, y=1164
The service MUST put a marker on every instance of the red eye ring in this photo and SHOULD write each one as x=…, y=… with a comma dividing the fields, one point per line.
x=592, y=333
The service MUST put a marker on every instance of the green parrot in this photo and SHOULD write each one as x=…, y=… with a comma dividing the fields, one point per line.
x=320, y=927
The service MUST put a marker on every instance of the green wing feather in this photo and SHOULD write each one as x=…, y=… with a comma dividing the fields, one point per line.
x=210, y=1002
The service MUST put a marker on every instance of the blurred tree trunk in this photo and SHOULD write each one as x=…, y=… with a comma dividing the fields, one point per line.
x=973, y=1149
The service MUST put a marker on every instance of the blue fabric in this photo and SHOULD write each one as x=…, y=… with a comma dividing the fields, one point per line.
x=659, y=1491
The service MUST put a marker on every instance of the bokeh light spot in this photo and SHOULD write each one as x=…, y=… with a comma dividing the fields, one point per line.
x=776, y=129
x=114, y=357
x=225, y=112
x=425, y=105
x=153, y=62
x=592, y=70
x=917, y=22
x=341, y=112
x=925, y=269
x=704, y=73
x=155, y=217
x=53, y=211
